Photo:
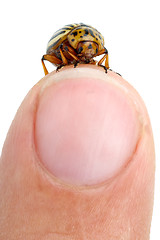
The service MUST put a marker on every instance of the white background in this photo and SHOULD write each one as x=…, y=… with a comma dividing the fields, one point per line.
x=132, y=36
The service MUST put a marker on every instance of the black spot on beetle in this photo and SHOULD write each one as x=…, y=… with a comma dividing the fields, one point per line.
x=96, y=50
x=97, y=39
x=90, y=46
x=81, y=36
x=74, y=33
x=72, y=39
x=86, y=32
x=80, y=31
x=80, y=49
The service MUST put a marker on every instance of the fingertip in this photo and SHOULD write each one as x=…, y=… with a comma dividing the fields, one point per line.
x=63, y=108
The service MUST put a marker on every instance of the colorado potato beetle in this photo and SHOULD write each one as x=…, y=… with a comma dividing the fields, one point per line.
x=73, y=44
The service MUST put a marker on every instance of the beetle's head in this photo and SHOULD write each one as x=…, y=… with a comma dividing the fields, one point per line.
x=87, y=50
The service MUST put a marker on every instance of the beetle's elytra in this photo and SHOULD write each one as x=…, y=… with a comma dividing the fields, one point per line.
x=73, y=44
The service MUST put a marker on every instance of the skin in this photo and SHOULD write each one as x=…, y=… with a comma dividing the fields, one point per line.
x=36, y=205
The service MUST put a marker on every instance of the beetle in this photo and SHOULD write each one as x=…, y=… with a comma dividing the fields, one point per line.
x=73, y=44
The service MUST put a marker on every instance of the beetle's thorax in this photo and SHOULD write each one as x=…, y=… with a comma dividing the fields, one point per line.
x=87, y=50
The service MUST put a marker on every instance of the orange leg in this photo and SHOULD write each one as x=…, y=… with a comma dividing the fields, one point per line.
x=64, y=60
x=73, y=56
x=71, y=53
x=105, y=57
x=44, y=68
x=51, y=59
x=104, y=50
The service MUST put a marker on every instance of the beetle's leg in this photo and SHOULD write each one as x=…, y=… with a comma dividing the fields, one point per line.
x=104, y=50
x=64, y=60
x=74, y=57
x=115, y=72
x=105, y=57
x=75, y=64
x=94, y=62
x=44, y=67
x=59, y=67
x=72, y=53
x=69, y=51
x=51, y=59
x=104, y=68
